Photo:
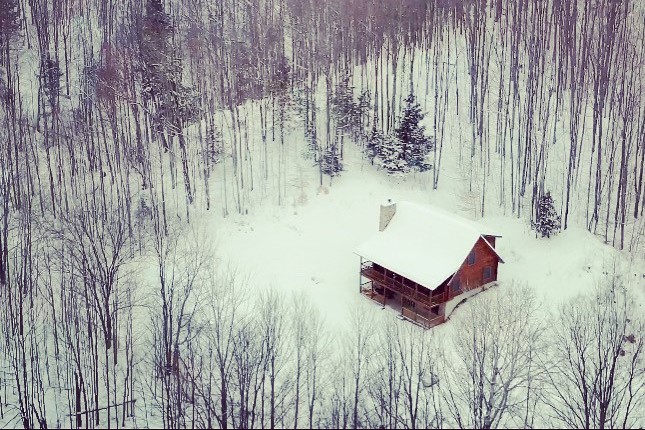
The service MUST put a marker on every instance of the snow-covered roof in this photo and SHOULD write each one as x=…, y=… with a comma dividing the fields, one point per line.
x=423, y=243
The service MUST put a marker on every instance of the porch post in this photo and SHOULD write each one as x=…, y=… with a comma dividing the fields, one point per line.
x=360, y=276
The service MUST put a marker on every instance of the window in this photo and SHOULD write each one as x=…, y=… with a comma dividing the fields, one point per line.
x=409, y=304
x=456, y=286
x=488, y=273
x=471, y=258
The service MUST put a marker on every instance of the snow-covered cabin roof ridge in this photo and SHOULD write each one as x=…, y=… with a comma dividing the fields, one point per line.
x=449, y=217
x=423, y=243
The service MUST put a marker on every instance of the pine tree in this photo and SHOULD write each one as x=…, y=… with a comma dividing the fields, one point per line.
x=311, y=138
x=331, y=163
x=175, y=104
x=411, y=133
x=158, y=64
x=374, y=144
x=348, y=112
x=363, y=110
x=9, y=21
x=547, y=220
x=391, y=155
x=214, y=147
x=343, y=106
x=50, y=75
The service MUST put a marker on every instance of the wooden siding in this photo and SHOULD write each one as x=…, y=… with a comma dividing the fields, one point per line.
x=472, y=276
x=491, y=240
x=416, y=302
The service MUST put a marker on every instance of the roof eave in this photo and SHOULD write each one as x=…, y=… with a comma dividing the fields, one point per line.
x=499, y=257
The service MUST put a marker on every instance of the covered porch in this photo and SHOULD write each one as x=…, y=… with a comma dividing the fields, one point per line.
x=415, y=302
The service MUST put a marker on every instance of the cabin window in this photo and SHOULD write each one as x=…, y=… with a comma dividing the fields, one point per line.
x=407, y=303
x=488, y=273
x=456, y=286
x=471, y=258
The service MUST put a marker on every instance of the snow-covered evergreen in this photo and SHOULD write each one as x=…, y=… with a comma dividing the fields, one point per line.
x=547, y=220
x=373, y=144
x=407, y=148
x=416, y=145
x=331, y=163
x=392, y=155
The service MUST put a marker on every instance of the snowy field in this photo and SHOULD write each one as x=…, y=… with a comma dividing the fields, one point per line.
x=309, y=246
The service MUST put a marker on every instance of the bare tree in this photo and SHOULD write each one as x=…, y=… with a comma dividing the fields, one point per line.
x=249, y=367
x=224, y=312
x=271, y=313
x=489, y=377
x=597, y=376
x=310, y=341
x=181, y=270
x=359, y=344
x=384, y=386
x=97, y=244
x=419, y=378
x=403, y=380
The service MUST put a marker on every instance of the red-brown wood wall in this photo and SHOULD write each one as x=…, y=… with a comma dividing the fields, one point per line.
x=472, y=276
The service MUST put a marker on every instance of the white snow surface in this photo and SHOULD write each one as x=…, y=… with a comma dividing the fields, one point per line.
x=423, y=243
x=307, y=246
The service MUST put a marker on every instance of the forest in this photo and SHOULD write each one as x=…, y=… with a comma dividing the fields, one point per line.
x=123, y=122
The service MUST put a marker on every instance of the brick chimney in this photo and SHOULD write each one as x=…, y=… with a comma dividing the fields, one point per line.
x=387, y=212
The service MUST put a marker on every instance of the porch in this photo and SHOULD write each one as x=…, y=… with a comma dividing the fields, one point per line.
x=414, y=302
x=385, y=278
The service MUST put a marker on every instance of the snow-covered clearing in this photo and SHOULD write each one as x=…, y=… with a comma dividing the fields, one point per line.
x=308, y=247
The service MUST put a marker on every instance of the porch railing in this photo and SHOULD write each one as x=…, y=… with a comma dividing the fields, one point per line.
x=426, y=320
x=401, y=285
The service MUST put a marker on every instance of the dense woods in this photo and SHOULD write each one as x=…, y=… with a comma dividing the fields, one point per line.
x=123, y=120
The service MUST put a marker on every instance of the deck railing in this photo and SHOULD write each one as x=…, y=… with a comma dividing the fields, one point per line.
x=427, y=320
x=424, y=319
x=374, y=295
x=401, y=285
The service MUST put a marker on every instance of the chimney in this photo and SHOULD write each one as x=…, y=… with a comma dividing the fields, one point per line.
x=387, y=212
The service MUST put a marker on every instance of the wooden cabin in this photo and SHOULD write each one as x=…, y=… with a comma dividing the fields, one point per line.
x=425, y=261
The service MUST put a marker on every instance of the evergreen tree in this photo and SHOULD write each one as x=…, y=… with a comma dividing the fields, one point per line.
x=9, y=22
x=374, y=144
x=50, y=75
x=331, y=163
x=214, y=147
x=343, y=107
x=363, y=109
x=311, y=138
x=411, y=133
x=547, y=220
x=348, y=112
x=175, y=104
x=391, y=155
x=158, y=63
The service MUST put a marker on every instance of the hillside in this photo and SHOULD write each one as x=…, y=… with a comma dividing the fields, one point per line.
x=183, y=184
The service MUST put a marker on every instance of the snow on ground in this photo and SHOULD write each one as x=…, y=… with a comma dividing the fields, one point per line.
x=309, y=247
